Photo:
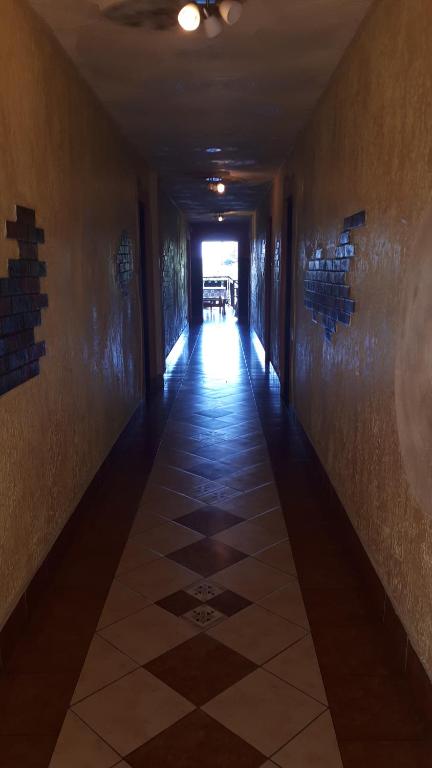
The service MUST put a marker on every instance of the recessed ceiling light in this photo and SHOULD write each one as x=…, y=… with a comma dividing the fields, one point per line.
x=220, y=188
x=220, y=217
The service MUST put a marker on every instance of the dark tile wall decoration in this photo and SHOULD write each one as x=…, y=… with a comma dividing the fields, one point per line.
x=21, y=303
x=124, y=262
x=326, y=292
x=356, y=220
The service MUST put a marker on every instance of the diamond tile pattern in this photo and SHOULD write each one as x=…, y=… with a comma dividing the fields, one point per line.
x=199, y=741
x=201, y=668
x=205, y=610
x=209, y=520
x=207, y=556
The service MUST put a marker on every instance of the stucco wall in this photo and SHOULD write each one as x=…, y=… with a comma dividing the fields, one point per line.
x=365, y=396
x=62, y=156
x=174, y=276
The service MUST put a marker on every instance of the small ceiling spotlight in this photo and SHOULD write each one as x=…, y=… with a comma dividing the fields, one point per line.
x=220, y=218
x=220, y=188
x=189, y=17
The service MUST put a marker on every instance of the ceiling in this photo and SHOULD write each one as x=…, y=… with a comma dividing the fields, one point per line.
x=175, y=94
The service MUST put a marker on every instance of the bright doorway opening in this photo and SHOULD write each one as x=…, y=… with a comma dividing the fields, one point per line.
x=220, y=276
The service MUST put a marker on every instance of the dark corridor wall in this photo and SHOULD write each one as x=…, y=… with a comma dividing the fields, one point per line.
x=174, y=273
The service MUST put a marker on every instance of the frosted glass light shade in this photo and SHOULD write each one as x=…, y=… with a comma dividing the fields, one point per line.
x=189, y=17
x=212, y=26
x=230, y=10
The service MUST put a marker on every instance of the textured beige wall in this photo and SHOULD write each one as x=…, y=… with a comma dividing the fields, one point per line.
x=365, y=397
x=61, y=155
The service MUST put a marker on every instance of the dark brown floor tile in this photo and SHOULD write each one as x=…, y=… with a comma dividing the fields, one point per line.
x=26, y=751
x=354, y=649
x=12, y=630
x=386, y=754
x=200, y=668
x=33, y=704
x=179, y=603
x=229, y=603
x=207, y=556
x=209, y=520
x=420, y=685
x=210, y=471
x=339, y=605
x=396, y=638
x=373, y=708
x=197, y=741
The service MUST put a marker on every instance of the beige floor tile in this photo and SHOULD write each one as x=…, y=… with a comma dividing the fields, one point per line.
x=252, y=579
x=272, y=521
x=168, y=537
x=254, y=502
x=298, y=665
x=132, y=710
x=135, y=553
x=279, y=556
x=288, y=603
x=249, y=457
x=184, y=482
x=264, y=711
x=315, y=747
x=121, y=602
x=148, y=634
x=103, y=665
x=164, y=502
x=158, y=579
x=77, y=746
x=251, y=477
x=257, y=634
x=248, y=538
x=144, y=521
x=173, y=458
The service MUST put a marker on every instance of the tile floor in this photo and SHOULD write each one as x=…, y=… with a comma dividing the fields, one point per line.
x=203, y=654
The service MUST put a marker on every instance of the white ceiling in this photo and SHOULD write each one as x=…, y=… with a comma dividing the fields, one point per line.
x=175, y=94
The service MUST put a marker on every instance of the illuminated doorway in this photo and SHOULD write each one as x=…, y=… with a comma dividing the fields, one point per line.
x=220, y=277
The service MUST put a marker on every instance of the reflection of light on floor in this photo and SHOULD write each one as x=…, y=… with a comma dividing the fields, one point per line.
x=260, y=353
x=222, y=357
x=176, y=352
x=259, y=349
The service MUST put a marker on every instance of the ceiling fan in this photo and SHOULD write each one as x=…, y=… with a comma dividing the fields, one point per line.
x=166, y=14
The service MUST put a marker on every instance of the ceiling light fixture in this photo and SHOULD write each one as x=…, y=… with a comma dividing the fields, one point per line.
x=212, y=24
x=220, y=188
x=189, y=17
x=230, y=10
x=220, y=218
x=212, y=13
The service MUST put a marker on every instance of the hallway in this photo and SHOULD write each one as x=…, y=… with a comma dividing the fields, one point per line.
x=215, y=384
x=202, y=655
